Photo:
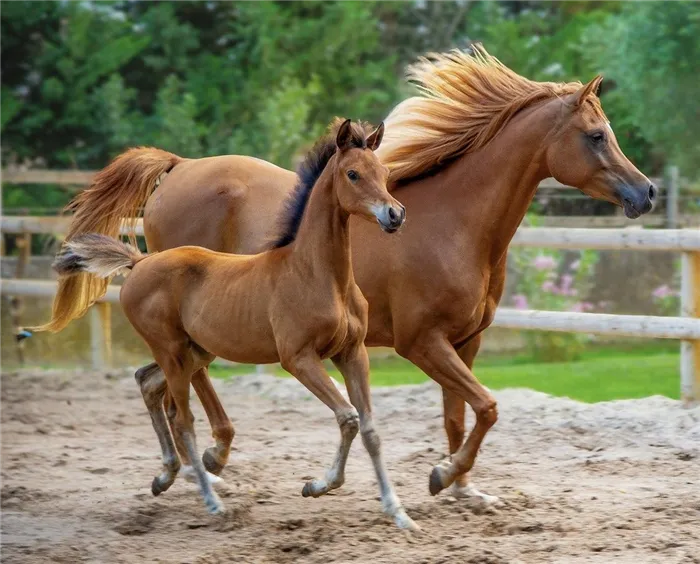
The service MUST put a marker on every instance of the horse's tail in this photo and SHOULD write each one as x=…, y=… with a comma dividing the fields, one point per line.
x=116, y=194
x=96, y=254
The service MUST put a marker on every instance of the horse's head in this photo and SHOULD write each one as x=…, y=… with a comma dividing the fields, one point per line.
x=361, y=179
x=583, y=152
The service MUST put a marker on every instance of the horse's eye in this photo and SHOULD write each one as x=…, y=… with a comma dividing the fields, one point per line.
x=352, y=175
x=598, y=137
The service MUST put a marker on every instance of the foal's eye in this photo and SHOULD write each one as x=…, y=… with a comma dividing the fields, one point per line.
x=597, y=137
x=352, y=175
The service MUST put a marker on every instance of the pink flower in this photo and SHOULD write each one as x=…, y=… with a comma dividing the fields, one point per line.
x=566, y=281
x=581, y=306
x=520, y=301
x=544, y=262
x=549, y=286
x=662, y=292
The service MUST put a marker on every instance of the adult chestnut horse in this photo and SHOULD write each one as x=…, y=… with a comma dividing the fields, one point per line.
x=466, y=156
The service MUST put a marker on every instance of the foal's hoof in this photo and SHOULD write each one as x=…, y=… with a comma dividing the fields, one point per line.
x=435, y=484
x=214, y=505
x=157, y=487
x=211, y=463
x=316, y=488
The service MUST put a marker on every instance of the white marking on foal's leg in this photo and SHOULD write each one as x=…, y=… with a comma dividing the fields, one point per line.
x=391, y=504
x=211, y=499
x=188, y=473
x=335, y=475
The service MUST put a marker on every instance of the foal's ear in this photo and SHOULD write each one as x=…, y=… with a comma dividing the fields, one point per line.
x=593, y=87
x=344, y=137
x=375, y=138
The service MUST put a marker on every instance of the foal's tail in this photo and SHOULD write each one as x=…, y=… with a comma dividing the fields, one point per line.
x=116, y=195
x=96, y=254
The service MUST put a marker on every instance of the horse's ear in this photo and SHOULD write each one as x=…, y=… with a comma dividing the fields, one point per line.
x=593, y=87
x=344, y=136
x=375, y=138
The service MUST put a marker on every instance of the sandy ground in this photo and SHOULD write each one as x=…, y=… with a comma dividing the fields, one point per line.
x=610, y=482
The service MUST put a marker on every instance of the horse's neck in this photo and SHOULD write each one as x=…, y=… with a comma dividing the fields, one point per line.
x=322, y=244
x=496, y=185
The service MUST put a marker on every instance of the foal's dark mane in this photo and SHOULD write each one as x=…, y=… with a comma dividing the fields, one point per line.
x=309, y=172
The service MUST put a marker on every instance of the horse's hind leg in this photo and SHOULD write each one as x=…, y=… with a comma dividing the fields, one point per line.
x=309, y=370
x=354, y=365
x=152, y=382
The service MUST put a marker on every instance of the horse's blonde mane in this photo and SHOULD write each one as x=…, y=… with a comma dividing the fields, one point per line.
x=465, y=100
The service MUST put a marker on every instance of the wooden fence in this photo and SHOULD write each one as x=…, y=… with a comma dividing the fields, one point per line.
x=685, y=328
x=669, y=188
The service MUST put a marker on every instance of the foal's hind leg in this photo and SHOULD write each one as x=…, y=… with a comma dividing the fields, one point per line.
x=215, y=457
x=178, y=369
x=354, y=366
x=309, y=370
x=152, y=382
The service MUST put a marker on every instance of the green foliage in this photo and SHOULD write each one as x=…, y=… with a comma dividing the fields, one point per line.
x=82, y=81
x=652, y=52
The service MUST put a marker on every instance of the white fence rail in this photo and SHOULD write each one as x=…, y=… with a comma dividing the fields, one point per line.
x=685, y=328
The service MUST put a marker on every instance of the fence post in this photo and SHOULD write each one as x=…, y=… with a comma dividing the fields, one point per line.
x=690, y=307
x=101, y=335
x=672, y=198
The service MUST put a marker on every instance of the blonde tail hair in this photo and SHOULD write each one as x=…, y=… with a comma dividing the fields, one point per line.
x=116, y=195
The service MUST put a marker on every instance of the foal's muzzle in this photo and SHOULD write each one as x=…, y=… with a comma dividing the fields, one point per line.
x=390, y=217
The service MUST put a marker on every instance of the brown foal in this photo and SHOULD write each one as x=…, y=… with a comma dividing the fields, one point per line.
x=297, y=304
x=466, y=156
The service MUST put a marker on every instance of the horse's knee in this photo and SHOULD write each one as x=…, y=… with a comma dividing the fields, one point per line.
x=487, y=415
x=144, y=373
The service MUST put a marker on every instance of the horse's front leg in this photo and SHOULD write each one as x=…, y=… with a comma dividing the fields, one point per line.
x=437, y=357
x=353, y=364
x=455, y=420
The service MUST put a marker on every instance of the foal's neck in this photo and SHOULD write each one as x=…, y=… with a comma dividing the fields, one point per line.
x=322, y=244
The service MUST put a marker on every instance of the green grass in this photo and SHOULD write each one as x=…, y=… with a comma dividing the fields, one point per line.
x=604, y=373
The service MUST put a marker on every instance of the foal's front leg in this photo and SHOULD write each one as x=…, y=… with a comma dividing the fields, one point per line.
x=353, y=364
x=309, y=370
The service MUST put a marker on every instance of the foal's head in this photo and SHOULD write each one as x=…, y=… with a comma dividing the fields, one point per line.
x=360, y=179
x=584, y=153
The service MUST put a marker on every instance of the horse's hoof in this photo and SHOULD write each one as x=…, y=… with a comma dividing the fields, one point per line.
x=156, y=487
x=211, y=463
x=306, y=490
x=435, y=485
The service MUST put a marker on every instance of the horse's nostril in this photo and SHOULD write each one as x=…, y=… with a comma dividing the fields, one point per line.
x=392, y=214
x=652, y=192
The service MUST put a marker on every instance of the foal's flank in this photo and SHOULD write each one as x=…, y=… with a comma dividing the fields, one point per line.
x=296, y=304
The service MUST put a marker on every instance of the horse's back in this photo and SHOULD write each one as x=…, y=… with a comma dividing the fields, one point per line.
x=228, y=203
